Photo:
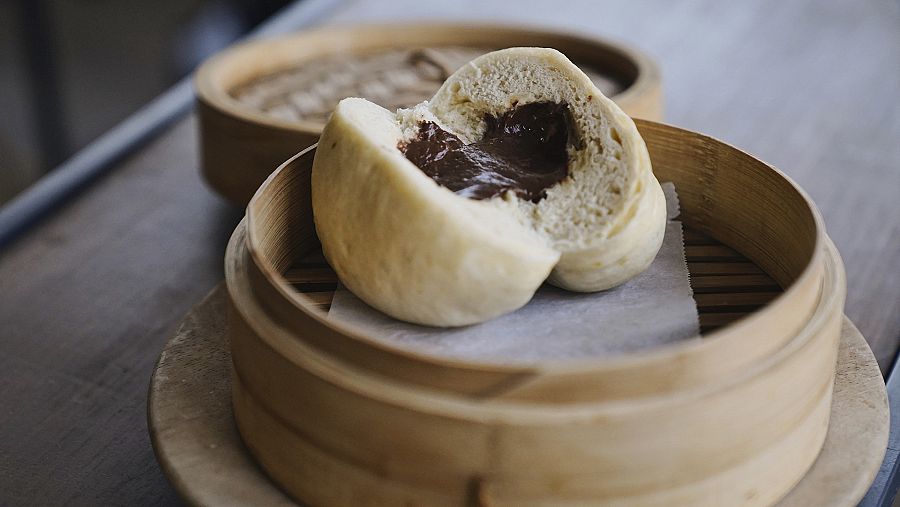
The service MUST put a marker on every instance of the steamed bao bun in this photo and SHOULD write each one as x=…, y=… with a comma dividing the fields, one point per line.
x=421, y=253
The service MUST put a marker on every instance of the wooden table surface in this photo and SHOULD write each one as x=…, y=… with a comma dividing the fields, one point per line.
x=89, y=296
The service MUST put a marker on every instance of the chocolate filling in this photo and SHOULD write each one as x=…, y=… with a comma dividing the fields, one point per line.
x=522, y=150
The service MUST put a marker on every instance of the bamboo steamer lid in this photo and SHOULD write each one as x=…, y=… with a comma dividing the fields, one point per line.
x=260, y=102
x=734, y=417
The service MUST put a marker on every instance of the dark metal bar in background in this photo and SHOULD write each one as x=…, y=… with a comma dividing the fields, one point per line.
x=76, y=173
x=43, y=80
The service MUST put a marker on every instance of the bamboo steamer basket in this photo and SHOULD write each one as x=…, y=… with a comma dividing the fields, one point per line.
x=782, y=232
x=240, y=145
x=734, y=417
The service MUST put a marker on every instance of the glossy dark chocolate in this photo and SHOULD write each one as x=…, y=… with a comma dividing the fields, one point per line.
x=522, y=150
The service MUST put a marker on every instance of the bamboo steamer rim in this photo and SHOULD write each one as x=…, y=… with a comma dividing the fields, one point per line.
x=440, y=403
x=643, y=78
x=644, y=358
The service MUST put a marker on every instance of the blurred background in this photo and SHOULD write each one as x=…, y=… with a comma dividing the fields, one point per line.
x=70, y=70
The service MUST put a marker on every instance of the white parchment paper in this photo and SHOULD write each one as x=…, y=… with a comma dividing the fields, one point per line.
x=653, y=308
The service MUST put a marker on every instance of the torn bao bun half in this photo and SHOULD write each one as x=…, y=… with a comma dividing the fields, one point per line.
x=424, y=253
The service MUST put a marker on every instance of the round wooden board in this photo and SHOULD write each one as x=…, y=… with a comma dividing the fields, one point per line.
x=200, y=451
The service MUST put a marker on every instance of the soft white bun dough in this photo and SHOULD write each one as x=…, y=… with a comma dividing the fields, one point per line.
x=420, y=253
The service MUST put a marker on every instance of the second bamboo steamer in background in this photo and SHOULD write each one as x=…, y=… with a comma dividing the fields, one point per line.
x=260, y=102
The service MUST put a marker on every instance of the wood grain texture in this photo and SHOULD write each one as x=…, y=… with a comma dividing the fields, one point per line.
x=86, y=303
x=193, y=374
x=88, y=298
